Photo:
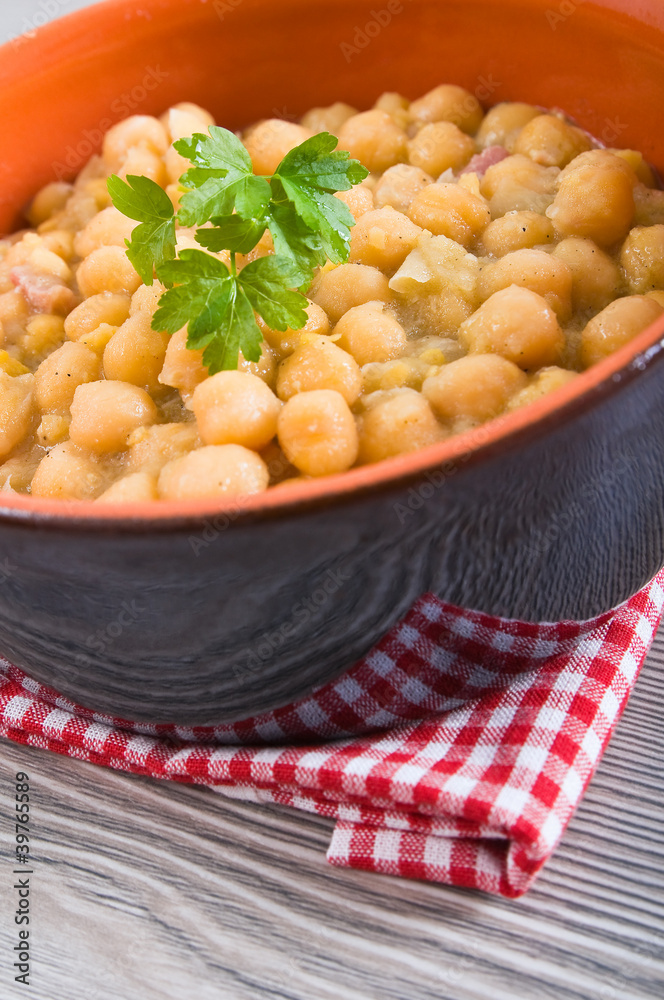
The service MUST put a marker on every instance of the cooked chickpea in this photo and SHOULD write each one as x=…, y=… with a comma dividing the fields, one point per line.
x=450, y=210
x=107, y=228
x=152, y=447
x=616, y=325
x=537, y=270
x=234, y=407
x=138, y=487
x=318, y=363
x=107, y=269
x=400, y=423
x=517, y=231
x=226, y=470
x=383, y=239
x=374, y=139
x=61, y=373
x=359, y=200
x=503, y=124
x=67, y=473
x=517, y=184
x=137, y=131
x=270, y=141
x=51, y=199
x=328, y=119
x=370, y=333
x=136, y=353
x=285, y=341
x=317, y=433
x=142, y=162
x=103, y=415
x=519, y=325
x=642, y=258
x=473, y=389
x=449, y=103
x=146, y=298
x=107, y=307
x=399, y=185
x=349, y=285
x=183, y=369
x=545, y=382
x=17, y=410
x=595, y=199
x=551, y=142
x=440, y=146
x=596, y=278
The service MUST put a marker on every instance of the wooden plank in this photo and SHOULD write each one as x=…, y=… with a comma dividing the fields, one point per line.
x=145, y=889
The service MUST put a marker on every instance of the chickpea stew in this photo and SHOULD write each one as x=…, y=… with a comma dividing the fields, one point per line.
x=494, y=257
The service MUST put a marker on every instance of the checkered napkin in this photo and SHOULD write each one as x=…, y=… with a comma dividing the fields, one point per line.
x=456, y=751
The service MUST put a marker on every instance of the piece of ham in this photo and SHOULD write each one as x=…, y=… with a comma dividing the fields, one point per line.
x=481, y=162
x=44, y=292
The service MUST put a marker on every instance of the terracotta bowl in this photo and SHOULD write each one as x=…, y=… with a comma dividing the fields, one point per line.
x=198, y=614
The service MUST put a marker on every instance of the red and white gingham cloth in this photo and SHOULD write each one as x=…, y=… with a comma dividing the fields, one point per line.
x=456, y=751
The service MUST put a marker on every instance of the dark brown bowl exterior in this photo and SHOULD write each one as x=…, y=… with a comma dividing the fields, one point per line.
x=200, y=617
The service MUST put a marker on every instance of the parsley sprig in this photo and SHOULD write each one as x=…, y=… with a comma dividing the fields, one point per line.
x=232, y=209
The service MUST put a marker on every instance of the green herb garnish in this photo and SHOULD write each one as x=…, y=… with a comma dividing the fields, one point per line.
x=218, y=304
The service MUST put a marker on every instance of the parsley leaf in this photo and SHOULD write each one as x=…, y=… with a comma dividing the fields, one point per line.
x=231, y=232
x=209, y=300
x=153, y=242
x=268, y=283
x=308, y=176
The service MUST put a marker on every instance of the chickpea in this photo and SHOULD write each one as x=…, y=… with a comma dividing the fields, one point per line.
x=142, y=162
x=657, y=297
x=136, y=353
x=328, y=119
x=517, y=231
x=649, y=206
x=503, y=124
x=517, y=184
x=107, y=307
x=183, y=120
x=17, y=410
x=61, y=373
x=286, y=341
x=227, y=470
x=14, y=314
x=642, y=258
x=51, y=199
x=452, y=211
x=374, y=139
x=369, y=334
x=399, y=185
x=318, y=363
x=440, y=146
x=537, y=270
x=450, y=104
x=475, y=388
x=403, y=373
x=107, y=228
x=53, y=429
x=596, y=278
x=268, y=143
x=545, y=382
x=619, y=323
x=107, y=269
x=151, y=448
x=60, y=241
x=551, y=142
x=138, y=130
x=43, y=334
x=595, y=199
x=105, y=413
x=234, y=407
x=359, y=200
x=349, y=285
x=138, y=487
x=265, y=368
x=383, y=239
x=46, y=262
x=67, y=473
x=517, y=324
x=146, y=298
x=400, y=423
x=317, y=433
x=183, y=369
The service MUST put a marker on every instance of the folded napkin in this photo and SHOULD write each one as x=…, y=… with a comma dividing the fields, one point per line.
x=456, y=751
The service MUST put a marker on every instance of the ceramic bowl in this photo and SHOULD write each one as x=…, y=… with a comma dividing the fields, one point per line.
x=195, y=613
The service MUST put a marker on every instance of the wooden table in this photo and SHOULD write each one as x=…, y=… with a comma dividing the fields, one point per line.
x=146, y=890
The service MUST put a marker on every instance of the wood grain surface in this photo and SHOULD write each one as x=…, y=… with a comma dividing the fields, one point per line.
x=147, y=890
